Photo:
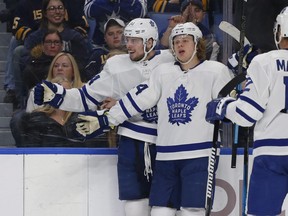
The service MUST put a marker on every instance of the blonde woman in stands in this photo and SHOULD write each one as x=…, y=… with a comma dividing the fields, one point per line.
x=47, y=126
x=63, y=64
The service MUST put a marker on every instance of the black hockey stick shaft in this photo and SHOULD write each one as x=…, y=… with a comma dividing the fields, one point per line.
x=212, y=160
x=211, y=170
x=223, y=92
x=246, y=147
x=240, y=71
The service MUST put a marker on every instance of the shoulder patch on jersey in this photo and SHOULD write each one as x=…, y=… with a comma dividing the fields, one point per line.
x=150, y=115
x=180, y=108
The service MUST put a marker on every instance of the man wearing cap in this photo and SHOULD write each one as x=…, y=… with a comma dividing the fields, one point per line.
x=193, y=11
x=113, y=36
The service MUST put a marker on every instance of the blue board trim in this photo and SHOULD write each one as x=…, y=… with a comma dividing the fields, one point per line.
x=85, y=151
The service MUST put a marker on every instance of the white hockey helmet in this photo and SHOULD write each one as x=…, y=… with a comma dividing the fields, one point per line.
x=187, y=28
x=281, y=26
x=144, y=28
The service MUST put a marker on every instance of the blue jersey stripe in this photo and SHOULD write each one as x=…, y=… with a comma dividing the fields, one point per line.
x=245, y=116
x=252, y=102
x=83, y=100
x=133, y=103
x=184, y=147
x=124, y=109
x=270, y=142
x=87, y=95
x=139, y=129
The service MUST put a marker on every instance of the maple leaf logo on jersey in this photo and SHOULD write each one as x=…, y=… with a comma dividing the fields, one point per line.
x=180, y=107
x=150, y=115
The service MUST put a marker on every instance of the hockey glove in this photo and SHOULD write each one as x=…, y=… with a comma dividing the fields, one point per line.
x=249, y=52
x=92, y=123
x=216, y=109
x=49, y=93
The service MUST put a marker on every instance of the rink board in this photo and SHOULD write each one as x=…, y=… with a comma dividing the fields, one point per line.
x=83, y=182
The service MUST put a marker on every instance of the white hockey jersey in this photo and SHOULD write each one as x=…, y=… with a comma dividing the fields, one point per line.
x=264, y=101
x=118, y=76
x=181, y=98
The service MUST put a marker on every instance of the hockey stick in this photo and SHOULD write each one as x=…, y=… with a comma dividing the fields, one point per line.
x=232, y=31
x=212, y=159
x=240, y=71
x=235, y=33
x=223, y=92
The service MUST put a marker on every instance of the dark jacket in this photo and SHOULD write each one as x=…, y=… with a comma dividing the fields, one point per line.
x=36, y=70
x=39, y=130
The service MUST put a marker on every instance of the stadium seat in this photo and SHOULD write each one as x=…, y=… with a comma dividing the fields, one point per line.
x=161, y=19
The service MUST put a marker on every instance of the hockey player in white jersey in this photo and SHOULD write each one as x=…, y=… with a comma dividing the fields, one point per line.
x=264, y=103
x=120, y=74
x=181, y=90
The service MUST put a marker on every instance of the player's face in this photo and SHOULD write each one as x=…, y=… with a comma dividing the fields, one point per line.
x=114, y=37
x=184, y=47
x=135, y=48
x=55, y=12
x=52, y=45
x=63, y=67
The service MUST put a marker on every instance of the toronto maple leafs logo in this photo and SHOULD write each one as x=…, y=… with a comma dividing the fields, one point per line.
x=150, y=115
x=181, y=107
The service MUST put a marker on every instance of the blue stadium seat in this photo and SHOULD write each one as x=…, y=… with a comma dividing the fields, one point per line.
x=161, y=19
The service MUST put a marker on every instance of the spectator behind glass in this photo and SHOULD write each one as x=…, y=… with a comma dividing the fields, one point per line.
x=41, y=58
x=193, y=11
x=64, y=65
x=113, y=37
x=50, y=127
x=53, y=19
x=70, y=73
x=54, y=12
x=27, y=17
x=101, y=10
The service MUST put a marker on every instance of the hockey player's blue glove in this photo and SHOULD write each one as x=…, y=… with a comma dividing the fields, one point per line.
x=249, y=52
x=216, y=109
x=92, y=123
x=49, y=93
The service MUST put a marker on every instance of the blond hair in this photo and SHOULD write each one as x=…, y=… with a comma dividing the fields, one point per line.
x=77, y=83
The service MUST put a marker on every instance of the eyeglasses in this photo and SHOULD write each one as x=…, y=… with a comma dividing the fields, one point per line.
x=54, y=8
x=55, y=43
